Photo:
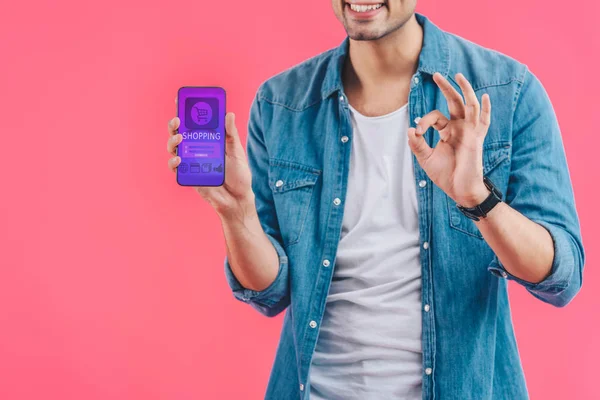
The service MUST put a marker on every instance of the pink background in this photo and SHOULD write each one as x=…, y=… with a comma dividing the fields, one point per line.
x=107, y=293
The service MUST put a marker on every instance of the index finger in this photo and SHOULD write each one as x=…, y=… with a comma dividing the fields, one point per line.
x=174, y=126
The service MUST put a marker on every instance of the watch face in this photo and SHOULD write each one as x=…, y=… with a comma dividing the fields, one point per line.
x=497, y=192
x=467, y=213
x=490, y=185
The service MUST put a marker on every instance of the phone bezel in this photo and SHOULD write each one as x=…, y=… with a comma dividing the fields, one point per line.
x=224, y=132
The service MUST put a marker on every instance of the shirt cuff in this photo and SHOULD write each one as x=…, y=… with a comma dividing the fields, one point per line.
x=562, y=264
x=269, y=296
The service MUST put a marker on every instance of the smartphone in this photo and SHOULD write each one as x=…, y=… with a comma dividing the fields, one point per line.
x=201, y=112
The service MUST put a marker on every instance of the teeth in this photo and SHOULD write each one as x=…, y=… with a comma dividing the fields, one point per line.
x=364, y=8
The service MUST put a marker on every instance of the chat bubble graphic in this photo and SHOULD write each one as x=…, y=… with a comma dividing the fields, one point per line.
x=201, y=150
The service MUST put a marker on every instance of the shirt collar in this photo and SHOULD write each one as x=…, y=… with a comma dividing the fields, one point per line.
x=434, y=56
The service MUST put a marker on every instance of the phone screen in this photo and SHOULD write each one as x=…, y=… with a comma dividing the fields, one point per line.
x=201, y=111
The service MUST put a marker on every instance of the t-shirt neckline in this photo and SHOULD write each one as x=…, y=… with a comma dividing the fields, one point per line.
x=391, y=114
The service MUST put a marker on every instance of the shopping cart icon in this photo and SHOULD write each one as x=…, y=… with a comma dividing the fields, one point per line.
x=201, y=113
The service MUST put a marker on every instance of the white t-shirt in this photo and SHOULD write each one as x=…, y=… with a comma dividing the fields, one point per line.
x=369, y=343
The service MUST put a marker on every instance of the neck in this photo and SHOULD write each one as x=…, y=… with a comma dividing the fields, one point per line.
x=377, y=63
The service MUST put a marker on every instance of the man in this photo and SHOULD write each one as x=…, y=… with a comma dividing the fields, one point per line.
x=346, y=212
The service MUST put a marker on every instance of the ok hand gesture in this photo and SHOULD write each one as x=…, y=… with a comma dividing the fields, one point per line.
x=455, y=164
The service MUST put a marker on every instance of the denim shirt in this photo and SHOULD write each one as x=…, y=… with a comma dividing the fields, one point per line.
x=298, y=149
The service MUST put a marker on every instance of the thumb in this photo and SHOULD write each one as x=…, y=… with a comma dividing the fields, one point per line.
x=233, y=143
x=419, y=146
x=231, y=131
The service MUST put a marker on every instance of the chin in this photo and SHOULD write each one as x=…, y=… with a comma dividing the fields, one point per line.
x=364, y=34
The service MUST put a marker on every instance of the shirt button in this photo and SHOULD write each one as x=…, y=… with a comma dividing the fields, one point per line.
x=422, y=183
x=416, y=79
x=344, y=139
x=426, y=308
x=337, y=201
x=426, y=245
x=341, y=98
x=313, y=324
x=279, y=183
x=301, y=387
x=428, y=371
x=326, y=263
x=504, y=274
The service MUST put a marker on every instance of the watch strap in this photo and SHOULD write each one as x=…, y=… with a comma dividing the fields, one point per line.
x=481, y=210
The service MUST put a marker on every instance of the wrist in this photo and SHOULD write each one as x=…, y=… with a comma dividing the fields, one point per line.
x=478, y=196
x=239, y=209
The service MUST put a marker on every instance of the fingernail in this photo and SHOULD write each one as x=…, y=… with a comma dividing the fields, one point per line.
x=417, y=120
x=419, y=129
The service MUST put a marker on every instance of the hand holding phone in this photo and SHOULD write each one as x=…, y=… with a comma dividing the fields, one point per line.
x=225, y=190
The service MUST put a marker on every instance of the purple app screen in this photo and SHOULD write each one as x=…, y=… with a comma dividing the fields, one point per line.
x=201, y=111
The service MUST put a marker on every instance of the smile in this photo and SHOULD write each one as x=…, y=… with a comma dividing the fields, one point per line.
x=364, y=7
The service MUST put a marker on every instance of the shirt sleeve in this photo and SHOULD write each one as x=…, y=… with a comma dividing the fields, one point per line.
x=540, y=188
x=276, y=297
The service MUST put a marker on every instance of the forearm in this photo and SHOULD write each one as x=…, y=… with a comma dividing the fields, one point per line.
x=524, y=247
x=252, y=257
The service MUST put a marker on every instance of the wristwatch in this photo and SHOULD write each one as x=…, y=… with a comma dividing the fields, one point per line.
x=481, y=210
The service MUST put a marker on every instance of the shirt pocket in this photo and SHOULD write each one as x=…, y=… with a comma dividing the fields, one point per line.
x=496, y=166
x=292, y=185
